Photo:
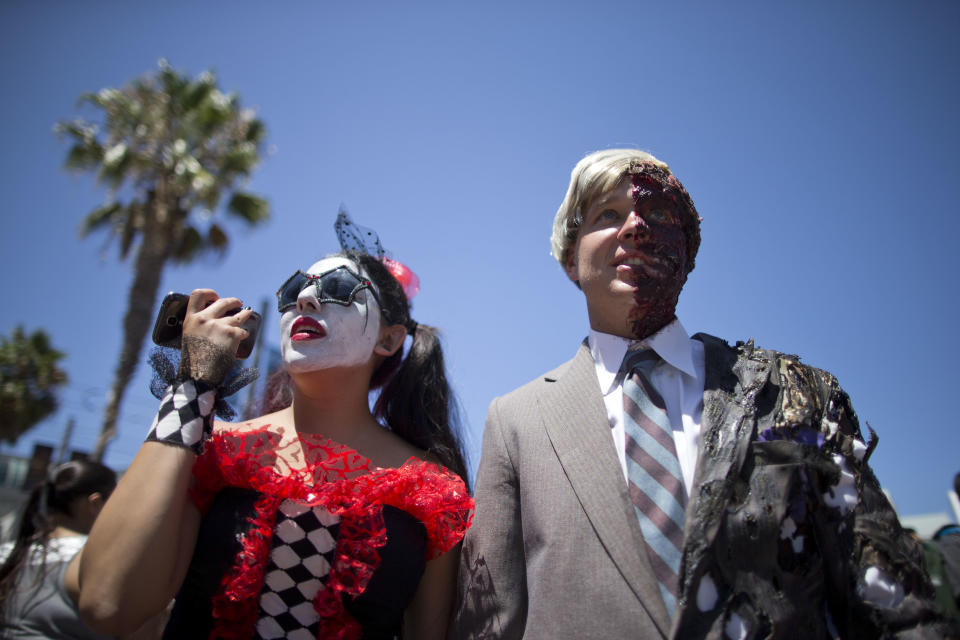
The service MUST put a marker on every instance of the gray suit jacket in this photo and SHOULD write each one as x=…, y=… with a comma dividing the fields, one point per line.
x=556, y=551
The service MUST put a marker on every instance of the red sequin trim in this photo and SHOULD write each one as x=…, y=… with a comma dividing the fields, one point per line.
x=342, y=482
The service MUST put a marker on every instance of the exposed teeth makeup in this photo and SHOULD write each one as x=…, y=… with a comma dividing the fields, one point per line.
x=316, y=336
x=659, y=270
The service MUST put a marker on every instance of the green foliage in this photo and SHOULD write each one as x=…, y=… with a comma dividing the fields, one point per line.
x=29, y=380
x=189, y=245
x=249, y=207
x=177, y=145
x=102, y=216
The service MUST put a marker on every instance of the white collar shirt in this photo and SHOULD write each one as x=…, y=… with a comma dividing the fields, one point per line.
x=679, y=377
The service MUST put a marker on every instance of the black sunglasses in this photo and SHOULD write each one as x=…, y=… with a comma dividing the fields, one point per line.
x=340, y=286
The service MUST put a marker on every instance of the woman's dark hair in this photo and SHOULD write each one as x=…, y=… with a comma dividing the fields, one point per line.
x=51, y=498
x=415, y=401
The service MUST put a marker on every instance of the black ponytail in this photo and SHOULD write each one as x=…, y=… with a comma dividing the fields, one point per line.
x=418, y=404
x=416, y=401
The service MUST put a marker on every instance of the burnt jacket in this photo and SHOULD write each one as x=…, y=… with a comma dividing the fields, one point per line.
x=784, y=522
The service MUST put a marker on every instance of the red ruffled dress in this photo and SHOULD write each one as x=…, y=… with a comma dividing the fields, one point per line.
x=333, y=549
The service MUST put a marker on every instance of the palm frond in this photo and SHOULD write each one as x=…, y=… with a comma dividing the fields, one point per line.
x=249, y=208
x=128, y=230
x=100, y=217
x=240, y=159
x=217, y=238
x=83, y=156
x=255, y=130
x=198, y=91
x=116, y=162
x=189, y=243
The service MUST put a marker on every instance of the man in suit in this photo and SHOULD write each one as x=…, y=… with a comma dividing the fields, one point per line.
x=755, y=516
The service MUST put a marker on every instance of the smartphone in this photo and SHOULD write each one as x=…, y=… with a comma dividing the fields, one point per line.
x=169, y=325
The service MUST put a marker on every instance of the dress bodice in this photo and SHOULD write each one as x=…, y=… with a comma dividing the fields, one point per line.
x=334, y=548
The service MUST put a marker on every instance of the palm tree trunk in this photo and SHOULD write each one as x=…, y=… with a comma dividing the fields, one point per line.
x=152, y=255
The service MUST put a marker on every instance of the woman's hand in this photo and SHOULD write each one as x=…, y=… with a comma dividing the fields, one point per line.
x=211, y=336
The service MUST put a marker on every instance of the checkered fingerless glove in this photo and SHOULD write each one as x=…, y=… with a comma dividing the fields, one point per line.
x=185, y=417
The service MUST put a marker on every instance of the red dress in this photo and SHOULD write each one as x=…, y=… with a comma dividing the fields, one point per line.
x=331, y=549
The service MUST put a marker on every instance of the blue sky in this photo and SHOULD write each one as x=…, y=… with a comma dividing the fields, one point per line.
x=818, y=141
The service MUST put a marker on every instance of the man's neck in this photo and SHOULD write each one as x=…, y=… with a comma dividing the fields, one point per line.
x=628, y=333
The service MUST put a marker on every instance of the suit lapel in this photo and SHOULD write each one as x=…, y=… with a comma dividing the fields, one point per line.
x=720, y=424
x=726, y=430
x=576, y=423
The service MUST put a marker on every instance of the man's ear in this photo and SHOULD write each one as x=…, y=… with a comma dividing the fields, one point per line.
x=391, y=339
x=570, y=267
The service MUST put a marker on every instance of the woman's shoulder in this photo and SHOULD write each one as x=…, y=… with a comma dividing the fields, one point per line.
x=387, y=450
x=432, y=494
x=264, y=434
x=394, y=452
x=60, y=549
x=278, y=422
x=65, y=547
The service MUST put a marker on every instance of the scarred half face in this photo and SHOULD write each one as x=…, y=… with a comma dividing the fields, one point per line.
x=630, y=259
x=316, y=336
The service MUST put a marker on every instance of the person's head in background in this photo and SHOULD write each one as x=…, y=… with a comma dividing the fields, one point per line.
x=66, y=503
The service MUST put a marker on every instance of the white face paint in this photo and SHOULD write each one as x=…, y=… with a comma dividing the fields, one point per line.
x=316, y=336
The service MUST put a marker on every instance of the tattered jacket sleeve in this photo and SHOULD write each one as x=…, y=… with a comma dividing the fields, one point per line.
x=797, y=540
x=875, y=581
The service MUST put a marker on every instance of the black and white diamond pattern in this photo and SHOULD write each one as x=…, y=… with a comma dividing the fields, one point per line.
x=303, y=547
x=185, y=416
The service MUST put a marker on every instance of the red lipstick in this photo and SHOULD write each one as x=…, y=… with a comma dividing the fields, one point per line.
x=306, y=328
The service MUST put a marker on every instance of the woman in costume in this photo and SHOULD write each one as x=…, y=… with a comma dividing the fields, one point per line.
x=313, y=521
x=38, y=579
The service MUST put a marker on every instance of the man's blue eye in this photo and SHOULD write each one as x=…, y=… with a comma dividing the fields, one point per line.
x=608, y=214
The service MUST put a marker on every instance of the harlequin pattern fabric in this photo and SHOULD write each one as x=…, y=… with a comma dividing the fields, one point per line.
x=300, y=558
x=185, y=416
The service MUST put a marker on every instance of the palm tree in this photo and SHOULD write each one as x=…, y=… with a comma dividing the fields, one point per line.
x=29, y=380
x=169, y=148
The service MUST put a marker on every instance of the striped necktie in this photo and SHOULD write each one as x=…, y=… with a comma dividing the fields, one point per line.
x=653, y=470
